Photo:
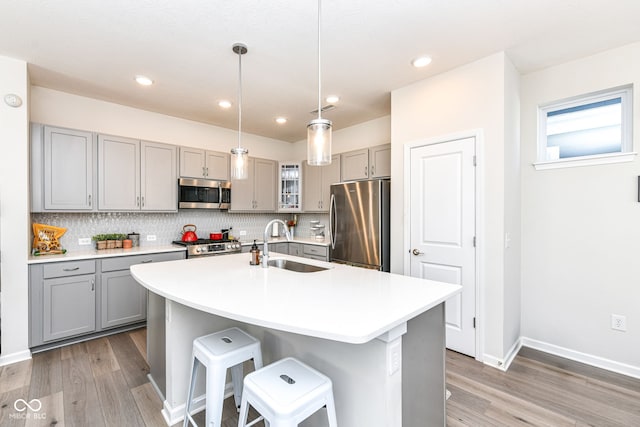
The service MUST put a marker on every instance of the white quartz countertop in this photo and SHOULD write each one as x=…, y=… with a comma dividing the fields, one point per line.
x=344, y=303
x=304, y=240
x=104, y=253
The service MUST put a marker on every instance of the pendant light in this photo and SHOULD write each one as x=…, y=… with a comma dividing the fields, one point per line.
x=240, y=156
x=319, y=130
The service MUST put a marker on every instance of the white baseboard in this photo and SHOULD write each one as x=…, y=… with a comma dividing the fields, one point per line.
x=174, y=415
x=588, y=359
x=7, y=359
x=504, y=363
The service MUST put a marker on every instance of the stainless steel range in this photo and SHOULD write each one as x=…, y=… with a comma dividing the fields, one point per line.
x=206, y=247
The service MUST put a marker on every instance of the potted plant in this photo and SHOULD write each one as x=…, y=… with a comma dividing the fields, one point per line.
x=101, y=241
x=118, y=239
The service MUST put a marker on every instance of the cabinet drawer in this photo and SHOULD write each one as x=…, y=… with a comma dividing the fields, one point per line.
x=69, y=268
x=124, y=262
x=315, y=250
x=317, y=257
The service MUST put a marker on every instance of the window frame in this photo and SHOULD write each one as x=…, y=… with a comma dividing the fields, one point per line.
x=626, y=153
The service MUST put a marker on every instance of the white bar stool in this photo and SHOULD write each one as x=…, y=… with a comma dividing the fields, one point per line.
x=285, y=393
x=218, y=352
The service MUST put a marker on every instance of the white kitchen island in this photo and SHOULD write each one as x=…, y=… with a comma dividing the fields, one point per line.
x=380, y=337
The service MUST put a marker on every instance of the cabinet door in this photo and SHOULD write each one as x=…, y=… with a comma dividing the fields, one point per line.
x=217, y=166
x=355, y=165
x=242, y=190
x=264, y=185
x=312, y=188
x=192, y=162
x=68, y=168
x=295, y=249
x=158, y=177
x=380, y=161
x=69, y=306
x=281, y=248
x=330, y=175
x=290, y=183
x=118, y=173
x=123, y=300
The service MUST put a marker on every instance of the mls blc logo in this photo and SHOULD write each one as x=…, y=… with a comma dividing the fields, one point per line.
x=34, y=406
x=21, y=405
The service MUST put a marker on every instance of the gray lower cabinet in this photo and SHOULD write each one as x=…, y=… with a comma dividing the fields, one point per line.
x=72, y=299
x=69, y=306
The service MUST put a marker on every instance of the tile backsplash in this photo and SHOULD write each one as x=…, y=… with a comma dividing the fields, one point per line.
x=167, y=227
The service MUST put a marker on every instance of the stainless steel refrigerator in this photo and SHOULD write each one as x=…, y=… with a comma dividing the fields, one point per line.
x=359, y=223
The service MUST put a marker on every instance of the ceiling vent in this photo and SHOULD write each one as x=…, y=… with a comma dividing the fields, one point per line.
x=325, y=108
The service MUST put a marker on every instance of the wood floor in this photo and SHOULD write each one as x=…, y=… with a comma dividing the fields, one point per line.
x=104, y=382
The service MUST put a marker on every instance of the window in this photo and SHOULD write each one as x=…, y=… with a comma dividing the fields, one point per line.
x=586, y=130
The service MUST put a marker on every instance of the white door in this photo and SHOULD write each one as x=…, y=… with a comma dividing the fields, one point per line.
x=442, y=230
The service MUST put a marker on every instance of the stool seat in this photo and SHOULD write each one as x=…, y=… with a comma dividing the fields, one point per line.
x=287, y=392
x=217, y=352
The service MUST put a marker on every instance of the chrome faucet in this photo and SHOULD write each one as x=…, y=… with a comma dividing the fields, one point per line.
x=265, y=249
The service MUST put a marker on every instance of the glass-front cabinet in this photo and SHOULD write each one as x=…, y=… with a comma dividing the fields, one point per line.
x=290, y=187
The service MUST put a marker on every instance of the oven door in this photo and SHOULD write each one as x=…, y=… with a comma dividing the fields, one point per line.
x=203, y=194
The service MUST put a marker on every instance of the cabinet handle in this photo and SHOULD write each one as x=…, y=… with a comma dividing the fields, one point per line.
x=366, y=171
x=89, y=200
x=320, y=204
x=146, y=261
x=373, y=170
x=71, y=269
x=206, y=171
x=93, y=285
x=138, y=201
x=143, y=201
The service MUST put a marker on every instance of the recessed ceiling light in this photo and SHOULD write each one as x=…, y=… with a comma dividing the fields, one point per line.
x=423, y=61
x=224, y=104
x=332, y=99
x=281, y=120
x=144, y=81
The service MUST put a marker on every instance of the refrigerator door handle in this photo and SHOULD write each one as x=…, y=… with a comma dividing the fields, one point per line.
x=332, y=219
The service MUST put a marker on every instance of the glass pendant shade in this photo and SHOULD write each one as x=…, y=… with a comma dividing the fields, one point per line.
x=239, y=163
x=319, y=142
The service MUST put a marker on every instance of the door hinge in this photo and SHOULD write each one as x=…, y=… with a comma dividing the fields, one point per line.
x=474, y=323
x=475, y=161
x=474, y=241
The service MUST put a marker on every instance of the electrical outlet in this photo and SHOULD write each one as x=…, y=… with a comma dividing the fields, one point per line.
x=619, y=322
x=151, y=237
x=243, y=232
x=84, y=241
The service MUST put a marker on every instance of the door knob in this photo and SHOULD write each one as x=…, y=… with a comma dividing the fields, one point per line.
x=416, y=252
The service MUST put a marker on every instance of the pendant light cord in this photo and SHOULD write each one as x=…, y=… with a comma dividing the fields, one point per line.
x=319, y=62
x=239, y=97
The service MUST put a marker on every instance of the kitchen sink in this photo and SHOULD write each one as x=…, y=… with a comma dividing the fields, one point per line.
x=290, y=265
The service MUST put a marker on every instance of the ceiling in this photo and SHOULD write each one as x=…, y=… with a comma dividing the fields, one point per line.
x=95, y=48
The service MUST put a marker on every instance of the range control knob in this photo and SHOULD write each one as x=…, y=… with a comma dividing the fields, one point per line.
x=198, y=249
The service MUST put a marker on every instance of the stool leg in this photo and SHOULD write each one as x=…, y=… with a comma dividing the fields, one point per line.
x=192, y=386
x=216, y=379
x=331, y=411
x=237, y=379
x=244, y=412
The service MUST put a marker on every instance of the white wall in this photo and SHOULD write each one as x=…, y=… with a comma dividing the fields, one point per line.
x=367, y=134
x=471, y=97
x=14, y=211
x=63, y=109
x=581, y=226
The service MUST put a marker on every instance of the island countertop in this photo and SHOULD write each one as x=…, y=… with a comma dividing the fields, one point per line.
x=343, y=303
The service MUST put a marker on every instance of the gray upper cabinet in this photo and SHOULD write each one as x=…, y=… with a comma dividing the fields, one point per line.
x=367, y=163
x=118, y=173
x=257, y=193
x=136, y=175
x=317, y=183
x=158, y=176
x=198, y=163
x=63, y=164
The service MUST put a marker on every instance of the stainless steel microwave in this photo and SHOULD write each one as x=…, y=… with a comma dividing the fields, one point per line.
x=203, y=194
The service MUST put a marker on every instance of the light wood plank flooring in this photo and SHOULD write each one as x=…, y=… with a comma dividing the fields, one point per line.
x=103, y=383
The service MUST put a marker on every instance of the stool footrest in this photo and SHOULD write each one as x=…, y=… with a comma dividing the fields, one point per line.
x=256, y=421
